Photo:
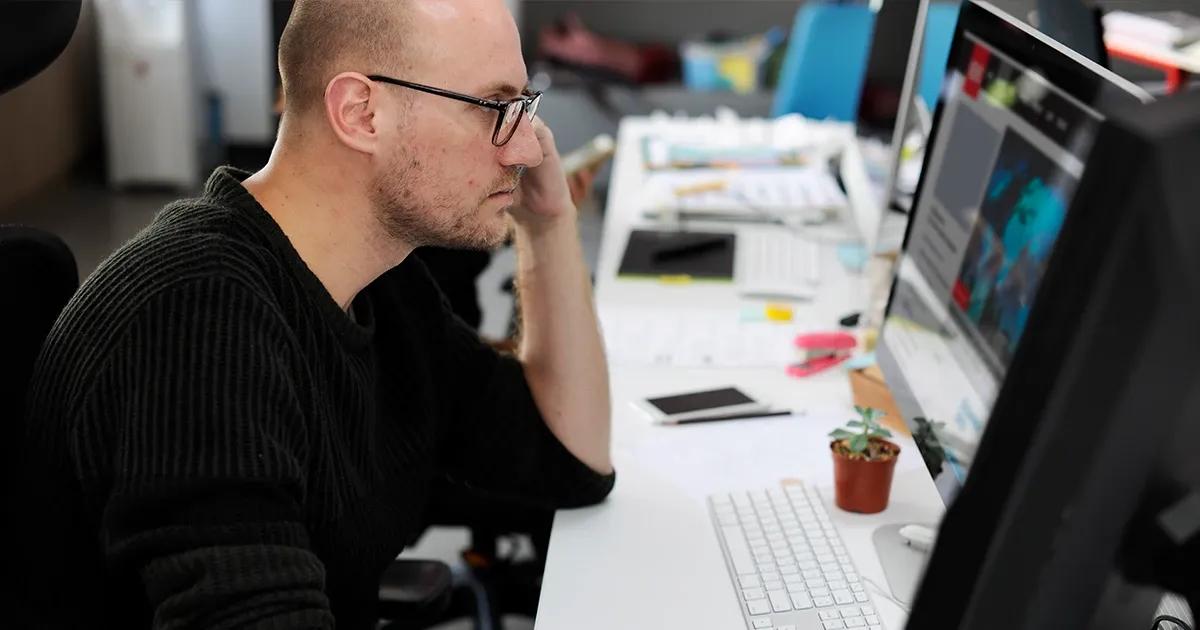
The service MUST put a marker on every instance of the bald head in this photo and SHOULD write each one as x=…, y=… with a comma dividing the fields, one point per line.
x=325, y=37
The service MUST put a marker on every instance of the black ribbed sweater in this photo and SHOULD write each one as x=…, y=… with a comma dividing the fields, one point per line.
x=212, y=443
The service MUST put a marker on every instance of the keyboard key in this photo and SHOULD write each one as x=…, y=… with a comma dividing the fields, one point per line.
x=820, y=592
x=857, y=588
x=822, y=602
x=773, y=584
x=789, y=570
x=793, y=579
x=800, y=601
x=758, y=607
x=850, y=612
x=826, y=615
x=861, y=598
x=872, y=619
x=843, y=597
x=856, y=622
x=780, y=602
x=812, y=574
x=834, y=624
x=760, y=623
x=753, y=593
x=770, y=574
x=739, y=553
x=838, y=584
x=794, y=587
x=867, y=610
x=787, y=627
x=749, y=581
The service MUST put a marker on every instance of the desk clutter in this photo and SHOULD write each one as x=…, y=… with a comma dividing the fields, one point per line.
x=765, y=337
x=789, y=196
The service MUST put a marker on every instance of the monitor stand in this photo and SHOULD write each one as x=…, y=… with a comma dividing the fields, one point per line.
x=902, y=564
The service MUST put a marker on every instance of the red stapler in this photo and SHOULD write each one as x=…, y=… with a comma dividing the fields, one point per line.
x=821, y=352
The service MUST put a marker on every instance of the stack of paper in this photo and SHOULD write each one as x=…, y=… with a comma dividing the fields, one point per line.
x=808, y=194
x=671, y=337
x=1172, y=29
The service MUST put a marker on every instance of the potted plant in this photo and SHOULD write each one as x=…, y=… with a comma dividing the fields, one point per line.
x=863, y=463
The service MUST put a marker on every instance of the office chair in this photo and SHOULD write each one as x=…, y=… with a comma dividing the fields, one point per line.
x=826, y=58
x=37, y=277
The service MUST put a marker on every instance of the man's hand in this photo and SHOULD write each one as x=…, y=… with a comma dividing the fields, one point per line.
x=580, y=184
x=543, y=195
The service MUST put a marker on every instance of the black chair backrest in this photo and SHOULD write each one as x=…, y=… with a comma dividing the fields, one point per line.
x=32, y=35
x=37, y=278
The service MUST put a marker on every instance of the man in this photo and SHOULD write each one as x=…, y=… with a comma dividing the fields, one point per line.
x=236, y=420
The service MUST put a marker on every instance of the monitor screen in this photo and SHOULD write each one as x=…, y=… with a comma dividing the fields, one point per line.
x=1010, y=149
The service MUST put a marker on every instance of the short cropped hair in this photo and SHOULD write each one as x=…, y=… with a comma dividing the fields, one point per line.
x=325, y=37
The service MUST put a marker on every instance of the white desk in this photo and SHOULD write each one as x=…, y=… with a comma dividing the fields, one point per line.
x=649, y=557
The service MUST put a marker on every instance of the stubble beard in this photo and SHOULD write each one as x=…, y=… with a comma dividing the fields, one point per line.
x=444, y=220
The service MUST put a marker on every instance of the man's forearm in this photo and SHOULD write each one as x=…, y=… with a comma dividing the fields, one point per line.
x=561, y=347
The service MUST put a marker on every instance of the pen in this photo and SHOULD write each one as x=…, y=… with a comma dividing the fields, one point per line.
x=737, y=416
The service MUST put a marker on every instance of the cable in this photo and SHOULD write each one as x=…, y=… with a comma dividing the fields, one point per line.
x=1169, y=619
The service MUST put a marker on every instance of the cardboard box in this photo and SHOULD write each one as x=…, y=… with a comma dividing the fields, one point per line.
x=870, y=390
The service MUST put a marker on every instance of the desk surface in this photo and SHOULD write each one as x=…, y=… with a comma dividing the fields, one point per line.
x=1162, y=55
x=649, y=557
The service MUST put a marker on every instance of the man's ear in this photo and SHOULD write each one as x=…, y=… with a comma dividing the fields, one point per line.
x=351, y=100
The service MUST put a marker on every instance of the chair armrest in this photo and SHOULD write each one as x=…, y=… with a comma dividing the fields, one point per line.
x=414, y=594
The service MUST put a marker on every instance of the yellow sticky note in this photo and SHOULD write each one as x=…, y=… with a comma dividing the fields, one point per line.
x=779, y=313
x=675, y=279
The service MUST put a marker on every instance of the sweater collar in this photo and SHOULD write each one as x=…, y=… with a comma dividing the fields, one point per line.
x=225, y=186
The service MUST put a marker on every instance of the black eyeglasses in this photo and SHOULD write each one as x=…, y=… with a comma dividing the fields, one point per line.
x=508, y=113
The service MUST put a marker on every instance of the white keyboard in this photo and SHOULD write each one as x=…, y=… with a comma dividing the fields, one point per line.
x=788, y=564
x=776, y=263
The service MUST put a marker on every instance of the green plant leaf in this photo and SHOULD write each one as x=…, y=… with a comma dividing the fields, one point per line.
x=855, y=424
x=860, y=409
x=841, y=434
x=858, y=443
x=882, y=432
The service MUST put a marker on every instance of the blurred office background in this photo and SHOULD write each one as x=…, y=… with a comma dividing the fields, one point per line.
x=151, y=94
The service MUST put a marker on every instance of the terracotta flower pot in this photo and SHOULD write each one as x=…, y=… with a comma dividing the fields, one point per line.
x=861, y=485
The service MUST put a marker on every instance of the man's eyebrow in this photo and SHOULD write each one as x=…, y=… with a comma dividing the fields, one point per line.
x=504, y=88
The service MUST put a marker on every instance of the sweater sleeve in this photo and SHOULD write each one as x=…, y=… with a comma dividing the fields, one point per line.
x=198, y=409
x=498, y=441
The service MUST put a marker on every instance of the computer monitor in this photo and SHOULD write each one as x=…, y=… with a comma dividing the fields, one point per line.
x=1013, y=132
x=910, y=38
x=1033, y=337
x=1074, y=24
x=1082, y=506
